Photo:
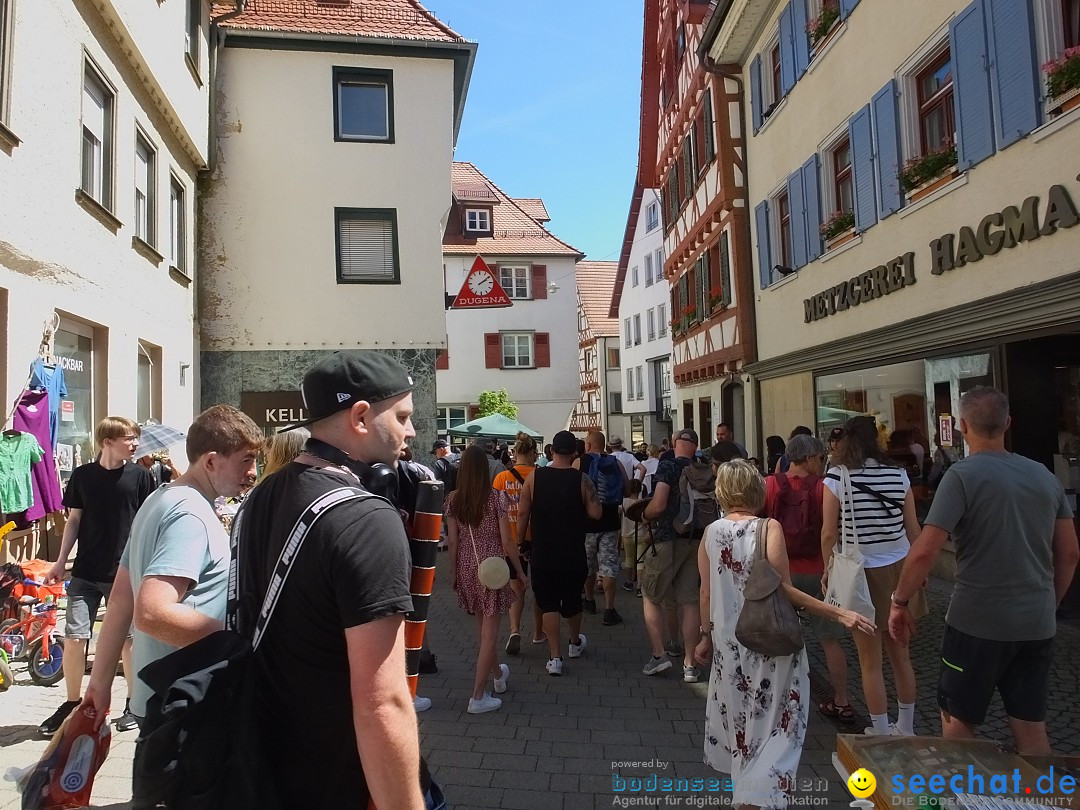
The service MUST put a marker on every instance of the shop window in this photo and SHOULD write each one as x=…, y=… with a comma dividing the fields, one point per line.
x=98, y=105
x=934, y=84
x=74, y=350
x=363, y=105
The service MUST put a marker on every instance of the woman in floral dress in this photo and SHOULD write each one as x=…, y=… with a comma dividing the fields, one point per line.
x=755, y=719
x=477, y=528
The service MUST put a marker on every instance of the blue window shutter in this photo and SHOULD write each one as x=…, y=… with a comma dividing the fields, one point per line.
x=1014, y=76
x=761, y=216
x=755, y=93
x=846, y=7
x=797, y=206
x=802, y=38
x=862, y=167
x=887, y=138
x=812, y=196
x=971, y=87
x=787, y=52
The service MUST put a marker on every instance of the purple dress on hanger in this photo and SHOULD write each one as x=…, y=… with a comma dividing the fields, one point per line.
x=32, y=416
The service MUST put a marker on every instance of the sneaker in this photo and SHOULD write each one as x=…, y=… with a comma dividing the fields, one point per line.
x=895, y=731
x=588, y=605
x=892, y=732
x=690, y=674
x=554, y=666
x=629, y=586
x=674, y=649
x=655, y=666
x=639, y=593
x=485, y=704
x=513, y=644
x=577, y=649
x=500, y=682
x=421, y=704
x=611, y=616
x=52, y=725
x=126, y=721
x=541, y=640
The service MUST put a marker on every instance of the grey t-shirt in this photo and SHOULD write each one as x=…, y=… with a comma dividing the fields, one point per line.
x=1000, y=509
x=175, y=534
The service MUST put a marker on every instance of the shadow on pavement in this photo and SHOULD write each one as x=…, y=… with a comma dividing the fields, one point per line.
x=13, y=735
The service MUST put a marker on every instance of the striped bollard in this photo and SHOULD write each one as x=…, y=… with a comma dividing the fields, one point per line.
x=424, y=546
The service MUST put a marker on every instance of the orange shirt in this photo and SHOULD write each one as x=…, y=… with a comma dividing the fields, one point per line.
x=506, y=482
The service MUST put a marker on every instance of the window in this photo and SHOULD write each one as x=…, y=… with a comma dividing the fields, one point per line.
x=612, y=357
x=634, y=277
x=449, y=416
x=6, y=13
x=145, y=198
x=193, y=31
x=517, y=349
x=844, y=199
x=77, y=347
x=935, y=94
x=1070, y=21
x=363, y=105
x=640, y=382
x=774, y=83
x=148, y=383
x=177, y=223
x=648, y=270
x=367, y=246
x=652, y=217
x=658, y=264
x=477, y=219
x=629, y=384
x=615, y=401
x=650, y=323
x=628, y=337
x=637, y=329
x=710, y=127
x=514, y=281
x=680, y=42
x=783, y=230
x=97, y=135
x=702, y=274
x=661, y=318
x=689, y=167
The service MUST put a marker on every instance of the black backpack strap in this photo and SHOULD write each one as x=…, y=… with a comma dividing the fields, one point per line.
x=517, y=475
x=864, y=488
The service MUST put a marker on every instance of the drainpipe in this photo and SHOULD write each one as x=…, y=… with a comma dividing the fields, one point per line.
x=217, y=42
x=744, y=283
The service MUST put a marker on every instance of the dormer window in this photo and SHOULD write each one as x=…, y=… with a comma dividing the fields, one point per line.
x=478, y=220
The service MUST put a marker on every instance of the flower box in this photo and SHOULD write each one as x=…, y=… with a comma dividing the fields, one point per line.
x=840, y=239
x=1066, y=101
x=1063, y=75
x=836, y=225
x=924, y=175
x=932, y=185
x=821, y=28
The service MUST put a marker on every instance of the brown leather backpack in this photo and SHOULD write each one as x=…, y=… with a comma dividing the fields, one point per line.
x=768, y=623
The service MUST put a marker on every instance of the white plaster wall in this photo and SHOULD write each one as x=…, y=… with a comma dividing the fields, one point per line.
x=545, y=396
x=53, y=253
x=268, y=225
x=880, y=39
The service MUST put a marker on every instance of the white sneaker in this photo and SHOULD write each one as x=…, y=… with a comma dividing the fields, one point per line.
x=500, y=682
x=577, y=649
x=895, y=731
x=421, y=704
x=892, y=732
x=485, y=704
x=554, y=666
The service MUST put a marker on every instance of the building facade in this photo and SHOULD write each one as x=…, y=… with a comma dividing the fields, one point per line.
x=530, y=348
x=322, y=231
x=103, y=129
x=600, y=400
x=640, y=302
x=914, y=220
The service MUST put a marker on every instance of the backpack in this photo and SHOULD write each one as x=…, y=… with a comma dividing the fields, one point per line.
x=446, y=470
x=606, y=474
x=697, y=500
x=799, y=514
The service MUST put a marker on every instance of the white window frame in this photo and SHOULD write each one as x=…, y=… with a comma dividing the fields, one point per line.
x=650, y=323
x=177, y=223
x=767, y=99
x=652, y=216
x=640, y=373
x=477, y=220
x=516, y=281
x=661, y=319
x=648, y=269
x=96, y=163
x=629, y=383
x=635, y=277
x=446, y=419
x=829, y=203
x=931, y=49
x=519, y=339
x=658, y=263
x=7, y=16
x=637, y=329
x=629, y=338
x=145, y=198
x=776, y=253
x=1049, y=42
x=193, y=32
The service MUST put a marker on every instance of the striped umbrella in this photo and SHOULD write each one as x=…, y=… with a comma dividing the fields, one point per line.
x=155, y=438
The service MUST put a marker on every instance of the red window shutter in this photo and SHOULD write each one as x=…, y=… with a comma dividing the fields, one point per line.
x=539, y=281
x=442, y=360
x=492, y=350
x=474, y=412
x=542, y=349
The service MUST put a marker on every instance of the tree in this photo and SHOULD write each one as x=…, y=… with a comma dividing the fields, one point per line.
x=496, y=402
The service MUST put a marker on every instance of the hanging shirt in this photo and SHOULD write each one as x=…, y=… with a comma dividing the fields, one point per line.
x=17, y=454
x=51, y=378
x=32, y=416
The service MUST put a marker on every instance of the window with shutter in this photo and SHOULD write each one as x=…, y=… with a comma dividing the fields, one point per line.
x=442, y=360
x=797, y=216
x=514, y=279
x=367, y=246
x=702, y=275
x=689, y=173
x=363, y=105
x=710, y=126
x=1014, y=74
x=764, y=249
x=542, y=343
x=756, y=107
x=862, y=157
x=934, y=85
x=887, y=138
x=492, y=350
x=800, y=36
x=517, y=349
x=724, y=270
x=787, y=51
x=812, y=207
x=539, y=282
x=971, y=87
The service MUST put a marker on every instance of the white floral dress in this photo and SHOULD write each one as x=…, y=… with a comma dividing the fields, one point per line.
x=755, y=718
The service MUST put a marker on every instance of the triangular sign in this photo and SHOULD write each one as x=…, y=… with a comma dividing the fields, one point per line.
x=481, y=289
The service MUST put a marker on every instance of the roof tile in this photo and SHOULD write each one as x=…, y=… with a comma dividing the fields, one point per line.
x=595, y=281
x=379, y=19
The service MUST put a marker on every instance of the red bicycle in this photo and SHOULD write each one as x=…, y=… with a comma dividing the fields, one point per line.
x=35, y=636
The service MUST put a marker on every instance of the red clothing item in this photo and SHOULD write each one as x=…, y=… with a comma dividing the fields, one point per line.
x=772, y=491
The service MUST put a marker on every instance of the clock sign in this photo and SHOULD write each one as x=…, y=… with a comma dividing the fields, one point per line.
x=481, y=289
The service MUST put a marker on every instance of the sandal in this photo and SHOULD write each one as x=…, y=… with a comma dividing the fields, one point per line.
x=830, y=708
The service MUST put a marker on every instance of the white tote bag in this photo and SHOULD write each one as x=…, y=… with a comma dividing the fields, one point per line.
x=847, y=577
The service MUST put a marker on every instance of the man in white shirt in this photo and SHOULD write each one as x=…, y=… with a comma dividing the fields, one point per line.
x=625, y=457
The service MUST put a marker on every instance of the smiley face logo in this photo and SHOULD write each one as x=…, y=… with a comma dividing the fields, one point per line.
x=862, y=784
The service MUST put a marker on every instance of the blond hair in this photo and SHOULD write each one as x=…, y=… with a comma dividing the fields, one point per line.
x=738, y=483
x=525, y=445
x=282, y=448
x=115, y=427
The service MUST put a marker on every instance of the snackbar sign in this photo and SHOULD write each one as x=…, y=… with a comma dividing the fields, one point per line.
x=1004, y=229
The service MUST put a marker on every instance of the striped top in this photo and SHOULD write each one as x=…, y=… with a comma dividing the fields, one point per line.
x=882, y=539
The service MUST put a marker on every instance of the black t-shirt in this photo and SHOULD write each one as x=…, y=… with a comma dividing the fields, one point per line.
x=109, y=500
x=353, y=568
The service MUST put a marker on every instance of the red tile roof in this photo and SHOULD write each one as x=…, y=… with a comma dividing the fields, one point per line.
x=514, y=231
x=534, y=207
x=378, y=19
x=595, y=281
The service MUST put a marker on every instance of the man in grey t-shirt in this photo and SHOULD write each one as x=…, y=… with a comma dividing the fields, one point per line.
x=1016, y=551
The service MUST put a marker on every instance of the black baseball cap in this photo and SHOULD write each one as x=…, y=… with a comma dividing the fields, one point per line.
x=564, y=442
x=687, y=435
x=342, y=379
x=439, y=443
x=836, y=433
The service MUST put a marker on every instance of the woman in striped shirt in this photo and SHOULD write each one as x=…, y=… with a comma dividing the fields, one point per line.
x=881, y=508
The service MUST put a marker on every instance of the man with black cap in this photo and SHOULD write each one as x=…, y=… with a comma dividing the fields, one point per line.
x=339, y=681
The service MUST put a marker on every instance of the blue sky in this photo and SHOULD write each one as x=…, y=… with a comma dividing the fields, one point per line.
x=553, y=107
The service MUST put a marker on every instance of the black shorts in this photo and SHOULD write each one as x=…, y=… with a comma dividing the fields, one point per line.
x=558, y=592
x=972, y=668
x=513, y=571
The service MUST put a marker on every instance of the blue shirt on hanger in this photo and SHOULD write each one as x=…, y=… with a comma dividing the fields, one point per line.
x=50, y=377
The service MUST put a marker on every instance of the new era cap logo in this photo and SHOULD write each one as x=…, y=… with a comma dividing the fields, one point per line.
x=344, y=397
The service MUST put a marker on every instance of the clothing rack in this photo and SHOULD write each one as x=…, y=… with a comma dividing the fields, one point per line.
x=45, y=352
